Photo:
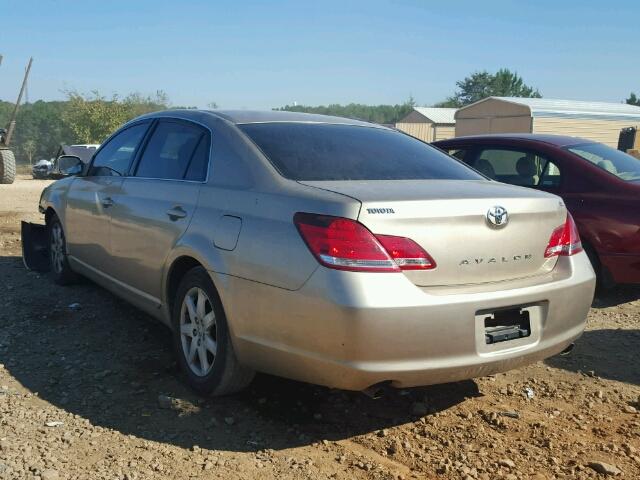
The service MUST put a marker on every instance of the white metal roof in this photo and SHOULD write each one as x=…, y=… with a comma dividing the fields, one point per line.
x=437, y=115
x=547, y=107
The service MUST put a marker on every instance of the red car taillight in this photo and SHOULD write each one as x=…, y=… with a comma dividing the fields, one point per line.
x=346, y=244
x=407, y=254
x=565, y=240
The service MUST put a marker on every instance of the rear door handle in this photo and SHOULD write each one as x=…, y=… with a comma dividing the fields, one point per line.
x=107, y=202
x=176, y=212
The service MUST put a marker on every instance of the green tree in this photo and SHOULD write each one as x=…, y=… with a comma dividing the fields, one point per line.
x=37, y=122
x=479, y=85
x=137, y=104
x=42, y=126
x=92, y=117
x=633, y=99
x=29, y=149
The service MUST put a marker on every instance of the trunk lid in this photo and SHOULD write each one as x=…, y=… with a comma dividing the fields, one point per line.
x=448, y=218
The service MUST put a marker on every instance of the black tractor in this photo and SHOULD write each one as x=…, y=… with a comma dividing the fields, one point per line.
x=7, y=159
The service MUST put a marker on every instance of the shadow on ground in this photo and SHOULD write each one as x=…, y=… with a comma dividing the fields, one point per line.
x=108, y=363
x=611, y=354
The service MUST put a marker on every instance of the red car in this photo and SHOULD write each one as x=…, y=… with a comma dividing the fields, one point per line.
x=600, y=186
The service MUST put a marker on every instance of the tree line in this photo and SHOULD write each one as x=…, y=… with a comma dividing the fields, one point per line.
x=82, y=118
x=371, y=113
x=89, y=118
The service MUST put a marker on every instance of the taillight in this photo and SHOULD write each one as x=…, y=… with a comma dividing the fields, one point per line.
x=565, y=240
x=407, y=254
x=346, y=244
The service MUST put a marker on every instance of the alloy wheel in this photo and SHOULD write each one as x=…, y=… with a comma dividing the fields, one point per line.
x=198, y=333
x=57, y=248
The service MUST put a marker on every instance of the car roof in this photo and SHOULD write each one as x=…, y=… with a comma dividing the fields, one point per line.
x=240, y=117
x=557, y=140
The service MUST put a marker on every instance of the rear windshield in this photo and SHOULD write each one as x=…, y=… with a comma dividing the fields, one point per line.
x=303, y=151
x=618, y=163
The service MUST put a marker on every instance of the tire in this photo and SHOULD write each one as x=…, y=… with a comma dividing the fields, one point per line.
x=204, y=349
x=7, y=166
x=58, y=261
x=604, y=281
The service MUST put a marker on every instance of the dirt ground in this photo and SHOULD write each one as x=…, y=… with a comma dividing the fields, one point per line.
x=85, y=381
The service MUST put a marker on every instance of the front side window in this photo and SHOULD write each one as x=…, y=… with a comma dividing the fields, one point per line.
x=517, y=167
x=175, y=151
x=615, y=162
x=308, y=151
x=116, y=156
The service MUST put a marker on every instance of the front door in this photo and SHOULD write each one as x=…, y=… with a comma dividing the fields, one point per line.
x=90, y=199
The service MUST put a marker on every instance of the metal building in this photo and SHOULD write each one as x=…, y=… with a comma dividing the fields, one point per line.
x=429, y=123
x=596, y=121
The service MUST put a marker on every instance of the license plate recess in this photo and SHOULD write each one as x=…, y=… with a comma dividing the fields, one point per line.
x=506, y=324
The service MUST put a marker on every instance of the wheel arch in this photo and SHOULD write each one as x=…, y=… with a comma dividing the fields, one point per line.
x=175, y=273
x=49, y=214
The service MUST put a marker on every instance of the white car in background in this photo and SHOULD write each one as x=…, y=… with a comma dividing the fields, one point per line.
x=42, y=169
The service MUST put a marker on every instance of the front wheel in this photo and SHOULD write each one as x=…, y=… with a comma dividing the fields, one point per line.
x=59, y=263
x=201, y=338
x=7, y=166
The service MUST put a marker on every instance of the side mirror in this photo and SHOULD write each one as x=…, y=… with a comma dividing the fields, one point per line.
x=70, y=165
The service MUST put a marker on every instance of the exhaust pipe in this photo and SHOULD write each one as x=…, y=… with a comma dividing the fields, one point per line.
x=377, y=390
x=568, y=350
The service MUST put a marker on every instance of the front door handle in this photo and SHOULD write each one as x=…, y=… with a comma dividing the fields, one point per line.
x=176, y=212
x=107, y=202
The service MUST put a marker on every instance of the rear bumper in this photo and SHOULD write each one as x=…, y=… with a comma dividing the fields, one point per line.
x=352, y=330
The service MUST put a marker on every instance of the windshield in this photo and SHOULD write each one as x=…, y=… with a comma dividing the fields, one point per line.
x=618, y=163
x=311, y=151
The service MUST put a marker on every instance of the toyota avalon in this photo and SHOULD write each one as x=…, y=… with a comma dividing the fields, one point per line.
x=317, y=248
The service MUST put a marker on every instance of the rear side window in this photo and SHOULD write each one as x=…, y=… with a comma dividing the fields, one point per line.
x=175, y=151
x=517, y=167
x=617, y=163
x=115, y=157
x=197, y=170
x=303, y=151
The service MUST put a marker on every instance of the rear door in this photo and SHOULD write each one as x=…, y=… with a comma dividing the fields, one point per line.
x=90, y=199
x=157, y=202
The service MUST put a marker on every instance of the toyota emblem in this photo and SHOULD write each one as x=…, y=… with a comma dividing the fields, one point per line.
x=497, y=216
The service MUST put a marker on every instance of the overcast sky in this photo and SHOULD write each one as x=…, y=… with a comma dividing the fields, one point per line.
x=263, y=54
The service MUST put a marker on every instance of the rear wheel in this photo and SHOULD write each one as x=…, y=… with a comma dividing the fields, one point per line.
x=7, y=166
x=201, y=338
x=59, y=263
x=603, y=277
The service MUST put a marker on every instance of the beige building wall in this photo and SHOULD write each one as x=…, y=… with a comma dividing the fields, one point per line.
x=603, y=131
x=422, y=131
x=493, y=108
x=500, y=116
x=428, y=132
x=442, y=132
x=493, y=116
x=481, y=126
